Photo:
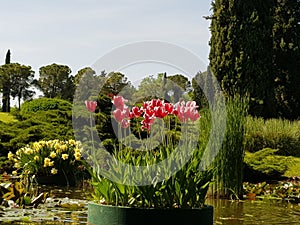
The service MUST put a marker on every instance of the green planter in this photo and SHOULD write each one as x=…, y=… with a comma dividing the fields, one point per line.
x=117, y=215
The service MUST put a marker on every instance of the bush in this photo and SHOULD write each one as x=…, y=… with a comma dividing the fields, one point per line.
x=45, y=104
x=265, y=165
x=278, y=134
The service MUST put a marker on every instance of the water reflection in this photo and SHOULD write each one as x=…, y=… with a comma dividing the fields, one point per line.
x=255, y=212
x=270, y=212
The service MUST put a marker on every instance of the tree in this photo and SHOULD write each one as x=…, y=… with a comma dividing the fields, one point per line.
x=55, y=82
x=19, y=78
x=177, y=85
x=286, y=48
x=22, y=78
x=241, y=51
x=6, y=87
x=150, y=87
x=117, y=83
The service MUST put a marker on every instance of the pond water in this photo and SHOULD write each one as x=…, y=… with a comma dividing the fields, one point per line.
x=73, y=210
x=269, y=212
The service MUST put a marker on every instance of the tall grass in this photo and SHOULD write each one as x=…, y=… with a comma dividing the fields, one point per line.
x=229, y=162
x=280, y=134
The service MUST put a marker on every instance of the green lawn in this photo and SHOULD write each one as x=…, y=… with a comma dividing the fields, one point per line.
x=6, y=117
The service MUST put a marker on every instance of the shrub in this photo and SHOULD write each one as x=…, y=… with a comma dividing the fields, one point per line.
x=278, y=134
x=45, y=104
x=265, y=165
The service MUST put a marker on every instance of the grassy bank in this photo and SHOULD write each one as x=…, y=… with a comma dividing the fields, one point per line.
x=7, y=117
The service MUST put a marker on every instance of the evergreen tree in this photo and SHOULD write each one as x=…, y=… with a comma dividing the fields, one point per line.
x=286, y=49
x=241, y=51
x=55, y=81
x=5, y=83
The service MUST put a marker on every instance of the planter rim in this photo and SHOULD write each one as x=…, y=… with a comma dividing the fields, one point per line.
x=145, y=208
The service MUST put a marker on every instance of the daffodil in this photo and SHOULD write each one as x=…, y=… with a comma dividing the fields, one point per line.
x=53, y=171
x=77, y=156
x=51, y=163
x=52, y=154
x=46, y=162
x=64, y=156
x=63, y=147
x=72, y=142
x=10, y=156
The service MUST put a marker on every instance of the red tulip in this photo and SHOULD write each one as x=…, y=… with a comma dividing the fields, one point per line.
x=91, y=105
x=169, y=107
x=160, y=112
x=136, y=111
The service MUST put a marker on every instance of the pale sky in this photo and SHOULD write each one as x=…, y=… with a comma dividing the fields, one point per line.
x=78, y=32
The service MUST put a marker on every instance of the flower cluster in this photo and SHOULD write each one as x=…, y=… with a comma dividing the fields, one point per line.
x=150, y=110
x=47, y=157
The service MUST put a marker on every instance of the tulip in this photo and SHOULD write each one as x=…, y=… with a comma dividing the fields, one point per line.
x=119, y=102
x=91, y=106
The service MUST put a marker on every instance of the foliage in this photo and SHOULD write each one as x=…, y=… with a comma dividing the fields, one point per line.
x=55, y=81
x=22, y=79
x=35, y=126
x=45, y=104
x=280, y=134
x=229, y=162
x=255, y=50
x=5, y=86
x=7, y=117
x=288, y=190
x=48, y=157
x=286, y=49
x=266, y=162
x=176, y=86
x=185, y=189
x=188, y=185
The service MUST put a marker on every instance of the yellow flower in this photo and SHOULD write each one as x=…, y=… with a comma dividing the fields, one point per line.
x=52, y=154
x=77, y=150
x=64, y=156
x=28, y=151
x=57, y=146
x=17, y=165
x=63, y=148
x=10, y=156
x=51, y=163
x=77, y=155
x=46, y=162
x=36, y=158
x=54, y=171
x=72, y=142
x=14, y=172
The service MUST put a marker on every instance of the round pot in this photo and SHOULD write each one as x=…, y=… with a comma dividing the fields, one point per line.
x=118, y=215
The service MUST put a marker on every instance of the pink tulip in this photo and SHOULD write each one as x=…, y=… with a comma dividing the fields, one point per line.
x=125, y=123
x=119, y=115
x=91, y=106
x=119, y=102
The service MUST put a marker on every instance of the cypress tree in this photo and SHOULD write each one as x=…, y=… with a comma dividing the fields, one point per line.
x=241, y=51
x=6, y=88
x=286, y=47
